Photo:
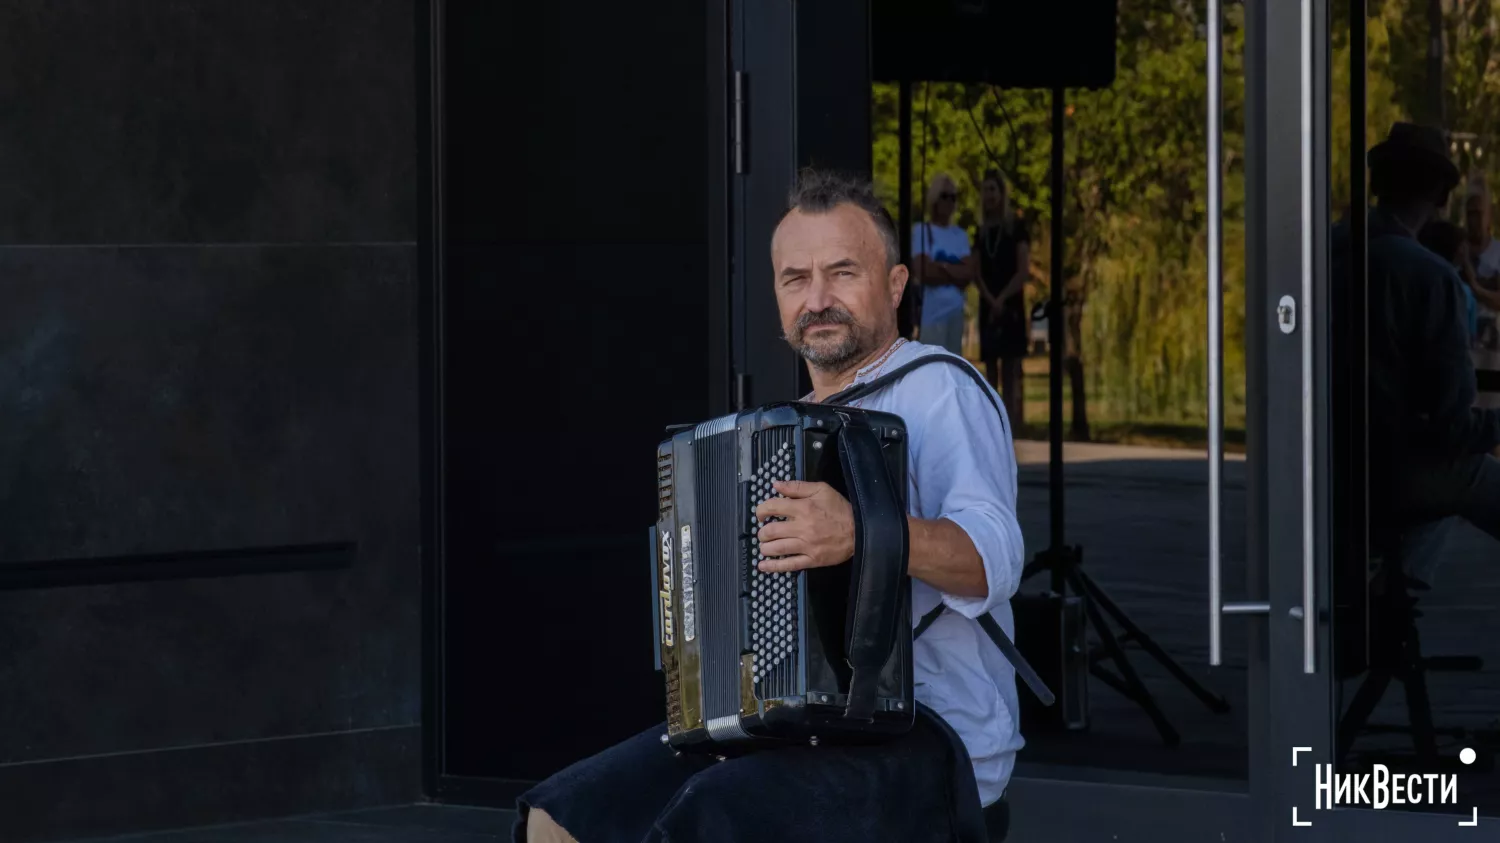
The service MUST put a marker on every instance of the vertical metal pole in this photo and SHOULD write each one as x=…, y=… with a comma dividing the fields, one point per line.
x=1057, y=338
x=1215, y=340
x=903, y=211
x=1357, y=541
x=1437, y=112
x=1309, y=441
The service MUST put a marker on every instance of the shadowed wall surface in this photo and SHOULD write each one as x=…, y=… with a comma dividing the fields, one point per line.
x=209, y=520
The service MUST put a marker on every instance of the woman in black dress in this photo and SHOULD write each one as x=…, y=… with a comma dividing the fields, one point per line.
x=1004, y=322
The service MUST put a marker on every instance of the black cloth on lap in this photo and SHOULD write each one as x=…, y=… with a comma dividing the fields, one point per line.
x=903, y=791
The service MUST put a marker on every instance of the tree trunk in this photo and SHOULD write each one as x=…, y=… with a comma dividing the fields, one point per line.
x=1073, y=365
x=1435, y=97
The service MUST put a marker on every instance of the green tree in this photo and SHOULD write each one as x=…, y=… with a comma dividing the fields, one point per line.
x=1135, y=206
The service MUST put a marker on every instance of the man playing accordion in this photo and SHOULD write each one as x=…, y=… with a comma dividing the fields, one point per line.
x=838, y=282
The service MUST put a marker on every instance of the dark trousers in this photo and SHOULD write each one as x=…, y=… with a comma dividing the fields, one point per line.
x=912, y=790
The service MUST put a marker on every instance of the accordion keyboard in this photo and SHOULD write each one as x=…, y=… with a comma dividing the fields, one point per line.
x=773, y=596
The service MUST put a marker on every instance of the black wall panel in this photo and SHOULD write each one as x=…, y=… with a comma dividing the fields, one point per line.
x=208, y=376
x=207, y=122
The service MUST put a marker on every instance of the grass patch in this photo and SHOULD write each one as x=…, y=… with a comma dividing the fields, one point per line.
x=1109, y=424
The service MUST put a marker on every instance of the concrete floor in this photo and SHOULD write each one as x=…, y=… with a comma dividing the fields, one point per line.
x=400, y=824
x=1141, y=517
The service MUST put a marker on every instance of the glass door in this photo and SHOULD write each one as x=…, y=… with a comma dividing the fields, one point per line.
x=1138, y=410
x=1385, y=360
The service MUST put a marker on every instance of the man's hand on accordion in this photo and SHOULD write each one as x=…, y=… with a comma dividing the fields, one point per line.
x=817, y=530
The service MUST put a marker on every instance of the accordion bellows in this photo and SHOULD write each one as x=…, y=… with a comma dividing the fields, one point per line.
x=753, y=658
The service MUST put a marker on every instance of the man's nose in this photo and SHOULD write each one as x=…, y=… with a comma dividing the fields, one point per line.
x=819, y=294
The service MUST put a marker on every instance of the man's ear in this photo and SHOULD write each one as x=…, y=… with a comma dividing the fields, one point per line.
x=897, y=280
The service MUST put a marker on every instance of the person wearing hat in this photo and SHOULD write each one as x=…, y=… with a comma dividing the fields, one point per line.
x=1430, y=446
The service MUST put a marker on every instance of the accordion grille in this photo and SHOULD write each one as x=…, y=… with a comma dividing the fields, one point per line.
x=716, y=498
x=664, y=482
x=673, y=673
x=774, y=598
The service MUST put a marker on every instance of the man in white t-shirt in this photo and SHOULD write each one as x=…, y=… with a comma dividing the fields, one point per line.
x=944, y=265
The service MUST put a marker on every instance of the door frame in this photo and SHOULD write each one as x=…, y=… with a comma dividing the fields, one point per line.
x=1298, y=424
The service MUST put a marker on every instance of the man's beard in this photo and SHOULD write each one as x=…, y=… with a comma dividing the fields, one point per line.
x=830, y=355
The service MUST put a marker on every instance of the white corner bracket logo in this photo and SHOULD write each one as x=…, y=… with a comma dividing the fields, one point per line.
x=1381, y=788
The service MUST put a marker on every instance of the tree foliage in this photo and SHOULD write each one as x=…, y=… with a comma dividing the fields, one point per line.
x=1457, y=89
x=1135, y=202
x=1135, y=176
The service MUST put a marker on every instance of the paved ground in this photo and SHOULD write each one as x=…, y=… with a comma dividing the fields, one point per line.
x=1141, y=516
x=399, y=824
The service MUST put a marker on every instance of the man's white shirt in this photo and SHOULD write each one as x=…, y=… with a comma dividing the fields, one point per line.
x=961, y=466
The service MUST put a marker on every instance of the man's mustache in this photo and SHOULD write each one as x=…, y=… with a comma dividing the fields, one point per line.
x=831, y=316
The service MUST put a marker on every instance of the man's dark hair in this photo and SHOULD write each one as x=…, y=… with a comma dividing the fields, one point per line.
x=818, y=192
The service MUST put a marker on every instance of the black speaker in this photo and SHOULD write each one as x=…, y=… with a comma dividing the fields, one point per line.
x=1052, y=633
x=1009, y=43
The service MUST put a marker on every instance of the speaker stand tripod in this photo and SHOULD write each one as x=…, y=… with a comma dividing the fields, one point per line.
x=1064, y=561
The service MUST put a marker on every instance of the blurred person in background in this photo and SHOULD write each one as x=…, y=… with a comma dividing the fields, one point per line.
x=1004, y=321
x=944, y=264
x=1483, y=250
x=1484, y=254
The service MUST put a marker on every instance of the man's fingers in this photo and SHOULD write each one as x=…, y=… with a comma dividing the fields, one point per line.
x=782, y=547
x=798, y=488
x=792, y=492
x=770, y=507
x=790, y=563
x=778, y=508
x=773, y=531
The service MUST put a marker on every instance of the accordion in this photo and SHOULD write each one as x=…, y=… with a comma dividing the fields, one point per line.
x=753, y=659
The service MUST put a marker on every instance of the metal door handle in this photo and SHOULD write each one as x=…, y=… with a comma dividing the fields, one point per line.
x=1215, y=339
x=1309, y=614
x=1217, y=608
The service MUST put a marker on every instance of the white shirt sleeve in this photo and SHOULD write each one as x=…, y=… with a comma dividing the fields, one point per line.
x=965, y=469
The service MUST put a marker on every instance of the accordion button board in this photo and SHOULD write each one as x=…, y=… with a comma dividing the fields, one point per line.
x=773, y=595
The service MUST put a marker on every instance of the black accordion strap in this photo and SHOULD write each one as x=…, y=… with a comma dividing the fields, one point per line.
x=859, y=391
x=926, y=621
x=1018, y=661
x=879, y=563
x=987, y=623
